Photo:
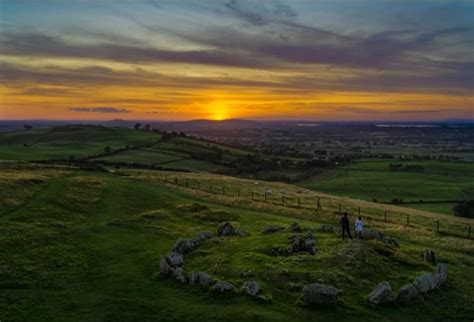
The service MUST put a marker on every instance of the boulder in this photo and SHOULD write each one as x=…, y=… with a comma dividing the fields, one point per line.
x=390, y=241
x=310, y=245
x=424, y=283
x=324, y=228
x=226, y=229
x=223, y=287
x=382, y=294
x=272, y=229
x=296, y=228
x=204, y=235
x=183, y=246
x=175, y=259
x=201, y=278
x=407, y=293
x=165, y=268
x=442, y=269
x=372, y=234
x=429, y=255
x=320, y=294
x=251, y=288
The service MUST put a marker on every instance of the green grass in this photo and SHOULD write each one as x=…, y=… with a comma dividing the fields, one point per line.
x=65, y=141
x=194, y=165
x=77, y=248
x=144, y=156
x=373, y=180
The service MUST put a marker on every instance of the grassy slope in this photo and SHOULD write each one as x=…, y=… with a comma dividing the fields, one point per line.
x=76, y=248
x=373, y=180
x=62, y=142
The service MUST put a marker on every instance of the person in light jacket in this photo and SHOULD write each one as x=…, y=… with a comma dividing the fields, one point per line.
x=359, y=227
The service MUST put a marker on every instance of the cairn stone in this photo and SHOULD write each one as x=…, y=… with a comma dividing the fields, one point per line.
x=296, y=228
x=271, y=229
x=390, y=241
x=226, y=229
x=223, y=287
x=183, y=246
x=175, y=259
x=165, y=268
x=320, y=294
x=372, y=234
x=201, y=278
x=424, y=283
x=310, y=245
x=382, y=294
x=429, y=256
x=251, y=288
x=324, y=228
x=407, y=293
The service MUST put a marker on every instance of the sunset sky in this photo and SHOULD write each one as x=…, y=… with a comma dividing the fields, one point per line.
x=180, y=60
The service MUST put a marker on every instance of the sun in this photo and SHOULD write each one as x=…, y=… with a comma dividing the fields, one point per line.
x=218, y=110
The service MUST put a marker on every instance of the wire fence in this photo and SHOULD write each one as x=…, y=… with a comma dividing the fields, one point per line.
x=334, y=206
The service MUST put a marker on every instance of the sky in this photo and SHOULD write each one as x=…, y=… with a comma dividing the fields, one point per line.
x=268, y=60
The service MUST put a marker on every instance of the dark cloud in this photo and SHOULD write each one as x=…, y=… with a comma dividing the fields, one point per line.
x=259, y=13
x=99, y=109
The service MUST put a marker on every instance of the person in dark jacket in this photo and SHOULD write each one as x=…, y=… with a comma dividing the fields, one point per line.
x=345, y=226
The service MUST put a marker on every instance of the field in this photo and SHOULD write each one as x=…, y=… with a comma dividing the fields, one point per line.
x=85, y=246
x=373, y=180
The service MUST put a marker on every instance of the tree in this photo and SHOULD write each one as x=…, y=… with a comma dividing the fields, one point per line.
x=137, y=126
x=27, y=127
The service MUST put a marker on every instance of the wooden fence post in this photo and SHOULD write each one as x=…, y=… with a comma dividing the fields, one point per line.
x=408, y=220
x=437, y=226
x=318, y=205
x=238, y=193
x=186, y=182
x=299, y=202
x=385, y=215
x=359, y=211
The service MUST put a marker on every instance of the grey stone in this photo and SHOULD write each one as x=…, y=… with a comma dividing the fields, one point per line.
x=271, y=229
x=226, y=229
x=310, y=245
x=324, y=228
x=429, y=255
x=201, y=278
x=251, y=288
x=204, y=235
x=407, y=293
x=184, y=245
x=165, y=268
x=424, y=283
x=223, y=287
x=320, y=294
x=392, y=242
x=175, y=259
x=442, y=269
x=371, y=234
x=295, y=228
x=382, y=294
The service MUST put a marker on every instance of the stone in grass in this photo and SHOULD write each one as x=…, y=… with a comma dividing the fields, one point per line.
x=251, y=288
x=175, y=259
x=226, y=229
x=271, y=229
x=372, y=234
x=424, y=283
x=429, y=255
x=320, y=294
x=223, y=287
x=165, y=268
x=390, y=241
x=201, y=278
x=382, y=294
x=204, y=235
x=442, y=269
x=324, y=228
x=310, y=245
x=407, y=293
x=183, y=246
x=296, y=228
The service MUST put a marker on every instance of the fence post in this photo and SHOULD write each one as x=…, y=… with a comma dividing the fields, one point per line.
x=176, y=181
x=186, y=182
x=437, y=226
x=318, y=204
x=469, y=232
x=339, y=207
x=385, y=216
x=408, y=220
x=299, y=202
x=210, y=188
